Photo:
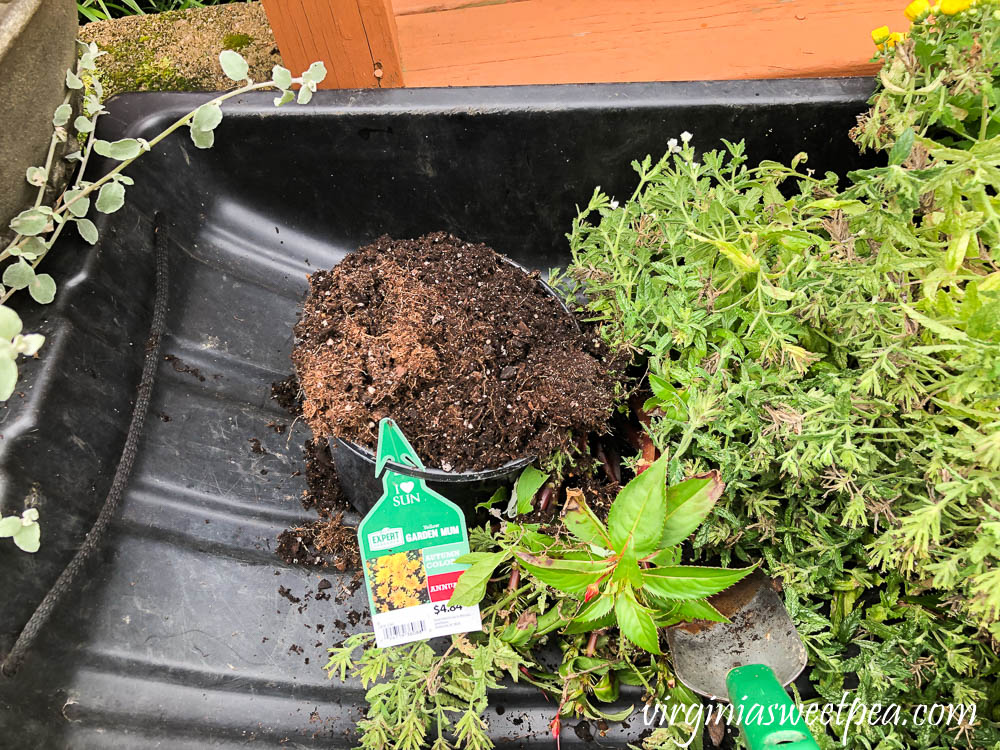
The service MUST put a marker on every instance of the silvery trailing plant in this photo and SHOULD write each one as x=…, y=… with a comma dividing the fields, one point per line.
x=38, y=227
x=23, y=529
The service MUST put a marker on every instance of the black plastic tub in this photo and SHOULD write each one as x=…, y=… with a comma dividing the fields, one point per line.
x=176, y=636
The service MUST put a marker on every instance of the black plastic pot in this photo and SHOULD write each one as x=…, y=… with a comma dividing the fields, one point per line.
x=356, y=470
x=356, y=464
x=177, y=636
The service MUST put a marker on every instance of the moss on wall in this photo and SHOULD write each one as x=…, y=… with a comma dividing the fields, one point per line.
x=179, y=50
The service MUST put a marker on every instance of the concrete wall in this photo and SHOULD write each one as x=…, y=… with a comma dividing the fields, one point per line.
x=36, y=47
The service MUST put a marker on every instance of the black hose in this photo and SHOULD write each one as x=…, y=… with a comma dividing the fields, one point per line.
x=67, y=578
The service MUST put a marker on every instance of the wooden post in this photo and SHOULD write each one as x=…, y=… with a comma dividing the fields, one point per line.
x=355, y=39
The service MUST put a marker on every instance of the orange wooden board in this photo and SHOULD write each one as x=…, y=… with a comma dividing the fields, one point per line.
x=495, y=42
x=356, y=39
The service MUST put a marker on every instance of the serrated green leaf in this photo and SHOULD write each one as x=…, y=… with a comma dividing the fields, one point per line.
x=902, y=147
x=525, y=487
x=110, y=198
x=585, y=626
x=73, y=81
x=42, y=288
x=689, y=582
x=18, y=275
x=699, y=609
x=233, y=65
x=613, y=715
x=637, y=514
x=636, y=622
x=569, y=576
x=596, y=609
x=688, y=503
x=471, y=585
x=984, y=323
x=581, y=522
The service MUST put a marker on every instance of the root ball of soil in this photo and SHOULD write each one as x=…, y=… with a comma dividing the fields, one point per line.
x=472, y=357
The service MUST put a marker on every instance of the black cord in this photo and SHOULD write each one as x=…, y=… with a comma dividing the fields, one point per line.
x=67, y=578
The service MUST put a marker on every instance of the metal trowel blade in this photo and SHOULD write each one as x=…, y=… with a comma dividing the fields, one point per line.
x=759, y=632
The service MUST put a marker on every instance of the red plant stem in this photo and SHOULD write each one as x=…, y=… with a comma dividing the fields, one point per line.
x=515, y=577
x=602, y=456
x=591, y=644
x=616, y=464
x=546, y=497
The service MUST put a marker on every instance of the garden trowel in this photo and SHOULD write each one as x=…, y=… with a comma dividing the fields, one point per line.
x=747, y=661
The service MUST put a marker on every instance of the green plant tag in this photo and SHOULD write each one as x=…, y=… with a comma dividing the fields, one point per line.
x=409, y=543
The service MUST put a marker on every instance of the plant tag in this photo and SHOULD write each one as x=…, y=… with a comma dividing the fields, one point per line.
x=409, y=543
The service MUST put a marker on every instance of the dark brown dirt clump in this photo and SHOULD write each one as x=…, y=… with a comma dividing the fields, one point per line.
x=328, y=541
x=473, y=358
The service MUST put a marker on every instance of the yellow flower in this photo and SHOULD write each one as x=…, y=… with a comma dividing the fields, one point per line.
x=880, y=34
x=916, y=9
x=951, y=7
x=894, y=39
x=400, y=599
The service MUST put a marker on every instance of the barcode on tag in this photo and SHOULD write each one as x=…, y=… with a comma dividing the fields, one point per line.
x=403, y=630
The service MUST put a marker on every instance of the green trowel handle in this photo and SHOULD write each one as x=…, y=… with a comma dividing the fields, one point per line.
x=767, y=715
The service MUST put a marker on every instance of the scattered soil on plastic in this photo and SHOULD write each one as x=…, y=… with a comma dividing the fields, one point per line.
x=181, y=366
x=287, y=395
x=471, y=356
x=328, y=541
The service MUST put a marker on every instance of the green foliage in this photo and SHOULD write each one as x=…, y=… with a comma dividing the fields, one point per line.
x=618, y=568
x=527, y=484
x=581, y=581
x=426, y=696
x=834, y=353
x=37, y=228
x=101, y=10
x=236, y=42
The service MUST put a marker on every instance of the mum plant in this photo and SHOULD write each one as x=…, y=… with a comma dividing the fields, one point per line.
x=597, y=592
